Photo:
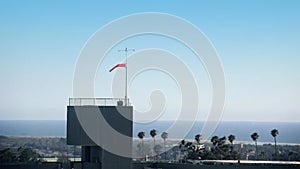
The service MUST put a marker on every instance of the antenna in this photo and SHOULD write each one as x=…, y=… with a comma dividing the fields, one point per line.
x=126, y=50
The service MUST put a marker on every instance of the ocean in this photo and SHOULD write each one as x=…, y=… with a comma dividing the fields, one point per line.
x=289, y=132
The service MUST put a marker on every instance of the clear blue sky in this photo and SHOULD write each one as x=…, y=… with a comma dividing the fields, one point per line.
x=257, y=41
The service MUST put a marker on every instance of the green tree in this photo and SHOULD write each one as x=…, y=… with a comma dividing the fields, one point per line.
x=198, y=138
x=27, y=155
x=222, y=141
x=181, y=146
x=153, y=133
x=6, y=156
x=254, y=137
x=141, y=136
x=164, y=136
x=274, y=133
x=233, y=153
x=214, y=140
x=231, y=138
x=182, y=143
x=220, y=149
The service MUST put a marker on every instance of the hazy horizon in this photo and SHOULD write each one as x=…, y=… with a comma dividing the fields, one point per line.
x=288, y=131
x=163, y=120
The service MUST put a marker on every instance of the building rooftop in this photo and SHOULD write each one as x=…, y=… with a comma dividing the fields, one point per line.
x=98, y=102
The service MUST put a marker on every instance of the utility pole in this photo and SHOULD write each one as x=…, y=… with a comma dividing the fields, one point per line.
x=126, y=50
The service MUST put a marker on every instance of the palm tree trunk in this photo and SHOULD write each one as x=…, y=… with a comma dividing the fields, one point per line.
x=256, y=152
x=275, y=147
x=142, y=149
x=154, y=157
x=165, y=150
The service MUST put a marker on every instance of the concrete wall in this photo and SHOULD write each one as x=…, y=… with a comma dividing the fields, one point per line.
x=31, y=166
x=197, y=166
x=143, y=165
x=93, y=156
x=114, y=115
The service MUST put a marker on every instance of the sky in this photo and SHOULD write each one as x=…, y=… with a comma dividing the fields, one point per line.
x=257, y=43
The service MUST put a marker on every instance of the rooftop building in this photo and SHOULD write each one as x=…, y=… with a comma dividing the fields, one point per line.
x=87, y=120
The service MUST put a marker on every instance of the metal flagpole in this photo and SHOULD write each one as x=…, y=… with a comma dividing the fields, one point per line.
x=126, y=78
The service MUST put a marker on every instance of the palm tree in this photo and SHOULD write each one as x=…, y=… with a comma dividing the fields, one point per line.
x=164, y=136
x=274, y=133
x=254, y=137
x=198, y=138
x=153, y=133
x=141, y=136
x=231, y=138
x=222, y=141
x=181, y=145
x=214, y=140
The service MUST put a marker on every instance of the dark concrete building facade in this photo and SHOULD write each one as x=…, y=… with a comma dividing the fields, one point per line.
x=119, y=117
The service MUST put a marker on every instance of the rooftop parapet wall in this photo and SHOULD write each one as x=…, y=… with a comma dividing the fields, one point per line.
x=97, y=101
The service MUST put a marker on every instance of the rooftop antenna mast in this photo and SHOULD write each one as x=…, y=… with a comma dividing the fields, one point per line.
x=126, y=50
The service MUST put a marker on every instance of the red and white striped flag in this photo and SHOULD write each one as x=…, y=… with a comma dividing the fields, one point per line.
x=118, y=65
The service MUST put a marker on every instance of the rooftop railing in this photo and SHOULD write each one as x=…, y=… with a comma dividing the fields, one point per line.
x=98, y=102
